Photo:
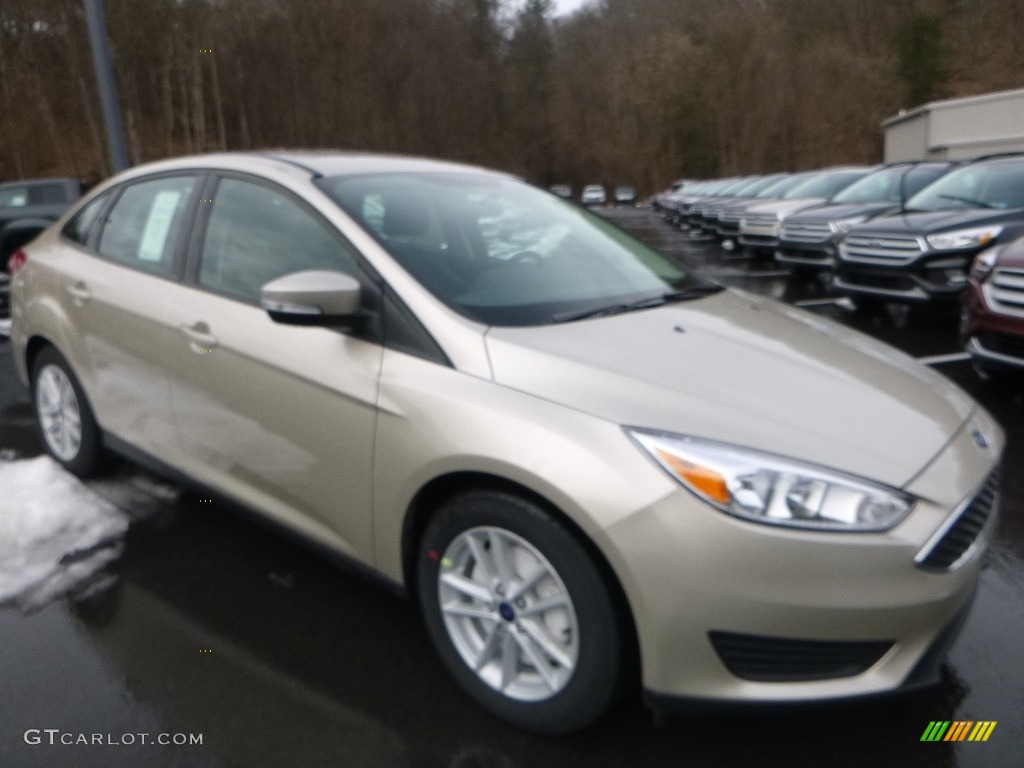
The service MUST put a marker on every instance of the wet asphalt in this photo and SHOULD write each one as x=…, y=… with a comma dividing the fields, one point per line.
x=211, y=624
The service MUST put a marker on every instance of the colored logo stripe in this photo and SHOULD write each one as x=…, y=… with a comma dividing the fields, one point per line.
x=958, y=730
x=935, y=730
x=982, y=730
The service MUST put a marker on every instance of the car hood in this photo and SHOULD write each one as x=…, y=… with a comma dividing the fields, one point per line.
x=744, y=370
x=837, y=211
x=785, y=207
x=927, y=222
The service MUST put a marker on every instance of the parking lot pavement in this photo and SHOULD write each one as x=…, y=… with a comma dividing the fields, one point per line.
x=213, y=625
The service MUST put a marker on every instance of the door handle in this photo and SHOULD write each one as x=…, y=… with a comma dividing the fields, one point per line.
x=199, y=337
x=80, y=293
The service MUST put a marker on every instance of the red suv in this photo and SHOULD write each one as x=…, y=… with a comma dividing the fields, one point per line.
x=992, y=322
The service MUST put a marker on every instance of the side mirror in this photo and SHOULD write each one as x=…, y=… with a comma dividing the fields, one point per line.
x=314, y=297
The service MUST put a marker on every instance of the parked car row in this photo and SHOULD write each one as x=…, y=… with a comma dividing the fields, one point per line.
x=595, y=194
x=935, y=233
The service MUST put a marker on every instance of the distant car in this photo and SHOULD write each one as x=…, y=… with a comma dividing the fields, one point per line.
x=923, y=253
x=761, y=224
x=26, y=209
x=593, y=194
x=625, y=196
x=992, y=318
x=808, y=240
x=562, y=190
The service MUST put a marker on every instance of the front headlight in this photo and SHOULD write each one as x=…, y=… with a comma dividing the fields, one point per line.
x=843, y=225
x=770, y=489
x=984, y=263
x=964, y=238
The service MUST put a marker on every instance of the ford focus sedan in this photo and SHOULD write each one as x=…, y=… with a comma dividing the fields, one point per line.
x=577, y=458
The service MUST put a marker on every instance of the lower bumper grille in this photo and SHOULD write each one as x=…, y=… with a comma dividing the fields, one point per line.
x=1002, y=343
x=773, y=659
x=893, y=281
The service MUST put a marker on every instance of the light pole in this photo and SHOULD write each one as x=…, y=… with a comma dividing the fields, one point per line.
x=107, y=85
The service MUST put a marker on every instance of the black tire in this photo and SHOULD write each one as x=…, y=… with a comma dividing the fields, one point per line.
x=87, y=457
x=591, y=685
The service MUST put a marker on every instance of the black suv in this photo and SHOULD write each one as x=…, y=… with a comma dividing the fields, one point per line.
x=26, y=209
x=807, y=241
x=924, y=252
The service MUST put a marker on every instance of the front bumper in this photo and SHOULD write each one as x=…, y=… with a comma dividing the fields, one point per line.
x=994, y=338
x=5, y=303
x=858, y=601
x=935, y=276
x=820, y=255
x=764, y=240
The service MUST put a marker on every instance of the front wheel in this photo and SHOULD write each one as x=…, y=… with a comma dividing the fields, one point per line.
x=519, y=612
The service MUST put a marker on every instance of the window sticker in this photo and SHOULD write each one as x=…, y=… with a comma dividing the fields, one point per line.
x=154, y=236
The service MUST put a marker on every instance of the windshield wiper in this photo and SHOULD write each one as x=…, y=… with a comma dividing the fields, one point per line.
x=693, y=292
x=969, y=200
x=686, y=294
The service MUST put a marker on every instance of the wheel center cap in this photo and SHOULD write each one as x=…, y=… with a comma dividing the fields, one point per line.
x=507, y=612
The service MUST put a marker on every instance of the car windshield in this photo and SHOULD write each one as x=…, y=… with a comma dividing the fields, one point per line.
x=504, y=253
x=824, y=184
x=761, y=184
x=888, y=185
x=980, y=185
x=783, y=185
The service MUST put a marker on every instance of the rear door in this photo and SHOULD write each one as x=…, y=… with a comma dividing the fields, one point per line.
x=279, y=417
x=115, y=294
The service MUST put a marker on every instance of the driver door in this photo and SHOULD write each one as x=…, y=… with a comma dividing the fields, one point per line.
x=281, y=418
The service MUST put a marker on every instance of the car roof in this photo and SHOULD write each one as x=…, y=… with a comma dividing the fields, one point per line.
x=54, y=180
x=311, y=163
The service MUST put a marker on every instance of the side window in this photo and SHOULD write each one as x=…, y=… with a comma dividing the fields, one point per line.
x=256, y=234
x=143, y=226
x=13, y=197
x=78, y=227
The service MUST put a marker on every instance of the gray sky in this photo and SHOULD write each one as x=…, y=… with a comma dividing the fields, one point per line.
x=563, y=7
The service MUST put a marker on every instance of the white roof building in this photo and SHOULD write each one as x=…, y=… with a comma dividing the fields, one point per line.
x=955, y=129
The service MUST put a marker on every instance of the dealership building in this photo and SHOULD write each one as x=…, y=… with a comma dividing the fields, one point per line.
x=955, y=129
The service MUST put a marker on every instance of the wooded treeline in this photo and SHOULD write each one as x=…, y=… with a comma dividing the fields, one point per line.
x=625, y=92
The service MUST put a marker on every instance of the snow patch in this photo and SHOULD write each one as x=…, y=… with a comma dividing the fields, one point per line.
x=56, y=535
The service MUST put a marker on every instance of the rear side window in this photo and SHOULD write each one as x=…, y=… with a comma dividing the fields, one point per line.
x=143, y=226
x=256, y=234
x=80, y=225
x=13, y=197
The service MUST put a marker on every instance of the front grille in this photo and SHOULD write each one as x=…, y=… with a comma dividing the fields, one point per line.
x=806, y=231
x=730, y=217
x=760, y=220
x=882, y=248
x=962, y=530
x=1008, y=287
x=778, y=660
x=1002, y=343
